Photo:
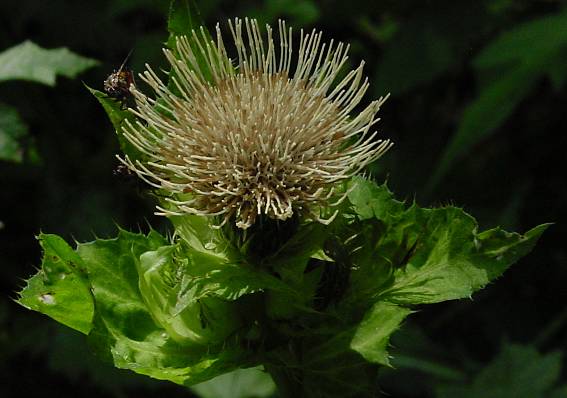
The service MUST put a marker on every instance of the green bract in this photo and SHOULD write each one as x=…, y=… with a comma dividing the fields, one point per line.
x=320, y=309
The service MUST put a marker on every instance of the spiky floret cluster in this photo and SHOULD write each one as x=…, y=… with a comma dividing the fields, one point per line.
x=265, y=134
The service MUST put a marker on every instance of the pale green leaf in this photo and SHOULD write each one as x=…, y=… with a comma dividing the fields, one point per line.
x=182, y=298
x=124, y=330
x=198, y=234
x=242, y=383
x=28, y=61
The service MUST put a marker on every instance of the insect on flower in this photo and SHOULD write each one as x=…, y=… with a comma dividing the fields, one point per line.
x=117, y=85
x=122, y=171
x=271, y=132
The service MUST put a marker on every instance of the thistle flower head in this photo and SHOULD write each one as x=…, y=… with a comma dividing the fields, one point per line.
x=271, y=132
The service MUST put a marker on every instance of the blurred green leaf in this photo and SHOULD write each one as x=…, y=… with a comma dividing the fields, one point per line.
x=418, y=54
x=500, y=6
x=517, y=372
x=301, y=12
x=560, y=392
x=426, y=43
x=382, y=31
x=242, y=383
x=12, y=131
x=557, y=72
x=27, y=61
x=525, y=43
x=483, y=116
x=298, y=13
x=60, y=289
x=413, y=350
x=427, y=366
x=123, y=7
x=509, y=67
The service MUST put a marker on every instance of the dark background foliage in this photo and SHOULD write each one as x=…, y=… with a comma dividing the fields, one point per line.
x=477, y=112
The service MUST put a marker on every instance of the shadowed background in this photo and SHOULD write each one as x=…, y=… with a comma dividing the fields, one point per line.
x=477, y=113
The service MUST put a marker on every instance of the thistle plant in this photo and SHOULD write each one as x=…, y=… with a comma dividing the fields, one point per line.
x=281, y=255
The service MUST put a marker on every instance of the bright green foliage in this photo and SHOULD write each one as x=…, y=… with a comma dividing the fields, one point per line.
x=12, y=131
x=60, y=289
x=517, y=372
x=124, y=328
x=319, y=308
x=27, y=61
x=452, y=261
x=436, y=254
x=373, y=333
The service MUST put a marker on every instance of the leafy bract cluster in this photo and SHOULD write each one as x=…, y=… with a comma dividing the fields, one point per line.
x=320, y=309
